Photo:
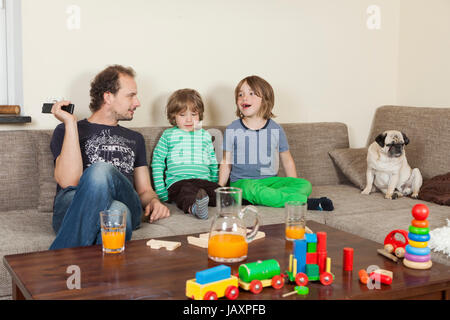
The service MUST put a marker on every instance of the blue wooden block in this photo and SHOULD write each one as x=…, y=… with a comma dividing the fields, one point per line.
x=311, y=238
x=213, y=274
x=300, y=254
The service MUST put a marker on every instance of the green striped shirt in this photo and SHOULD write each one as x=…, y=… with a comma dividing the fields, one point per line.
x=182, y=155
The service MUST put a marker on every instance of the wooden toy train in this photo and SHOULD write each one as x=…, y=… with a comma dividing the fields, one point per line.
x=309, y=262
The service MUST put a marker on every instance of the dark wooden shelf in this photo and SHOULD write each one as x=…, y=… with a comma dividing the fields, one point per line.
x=14, y=119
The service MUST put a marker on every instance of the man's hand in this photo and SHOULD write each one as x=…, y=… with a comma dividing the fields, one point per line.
x=156, y=210
x=62, y=115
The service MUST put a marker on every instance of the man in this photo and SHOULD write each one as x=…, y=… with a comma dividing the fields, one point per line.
x=101, y=165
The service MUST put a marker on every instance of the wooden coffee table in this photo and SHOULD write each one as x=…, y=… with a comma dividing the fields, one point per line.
x=144, y=273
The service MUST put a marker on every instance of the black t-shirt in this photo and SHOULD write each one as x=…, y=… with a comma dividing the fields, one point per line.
x=119, y=146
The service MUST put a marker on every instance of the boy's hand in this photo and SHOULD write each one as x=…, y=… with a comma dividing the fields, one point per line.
x=156, y=210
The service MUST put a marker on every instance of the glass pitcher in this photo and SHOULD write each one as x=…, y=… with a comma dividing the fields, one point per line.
x=228, y=237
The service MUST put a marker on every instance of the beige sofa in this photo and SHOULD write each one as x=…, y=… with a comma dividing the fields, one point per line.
x=27, y=187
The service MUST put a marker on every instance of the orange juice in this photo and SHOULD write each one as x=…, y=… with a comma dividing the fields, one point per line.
x=227, y=246
x=295, y=232
x=113, y=241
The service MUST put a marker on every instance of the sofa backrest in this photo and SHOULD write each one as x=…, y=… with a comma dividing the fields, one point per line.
x=27, y=170
x=19, y=186
x=428, y=130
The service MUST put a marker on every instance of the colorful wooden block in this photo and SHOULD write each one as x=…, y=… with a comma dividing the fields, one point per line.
x=321, y=241
x=213, y=274
x=418, y=251
x=311, y=238
x=300, y=254
x=312, y=271
x=311, y=258
x=311, y=247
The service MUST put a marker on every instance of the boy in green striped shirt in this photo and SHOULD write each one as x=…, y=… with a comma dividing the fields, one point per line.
x=185, y=156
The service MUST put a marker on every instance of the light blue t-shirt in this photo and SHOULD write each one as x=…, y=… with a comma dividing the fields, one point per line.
x=254, y=153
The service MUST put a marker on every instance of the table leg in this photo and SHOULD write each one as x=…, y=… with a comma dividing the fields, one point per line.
x=16, y=293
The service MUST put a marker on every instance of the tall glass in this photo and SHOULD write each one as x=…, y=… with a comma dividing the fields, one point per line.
x=295, y=214
x=113, y=226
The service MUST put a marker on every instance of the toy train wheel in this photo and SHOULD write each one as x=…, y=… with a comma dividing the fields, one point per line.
x=277, y=282
x=301, y=279
x=210, y=295
x=326, y=278
x=256, y=286
x=232, y=293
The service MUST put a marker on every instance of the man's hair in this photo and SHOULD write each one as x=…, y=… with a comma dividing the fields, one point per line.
x=263, y=90
x=107, y=81
x=181, y=100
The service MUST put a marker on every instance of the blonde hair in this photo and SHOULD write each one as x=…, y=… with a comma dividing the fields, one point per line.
x=263, y=90
x=181, y=100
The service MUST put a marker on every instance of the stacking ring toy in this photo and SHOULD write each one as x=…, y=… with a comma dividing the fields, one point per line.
x=419, y=237
x=415, y=258
x=417, y=251
x=416, y=244
x=416, y=230
x=420, y=223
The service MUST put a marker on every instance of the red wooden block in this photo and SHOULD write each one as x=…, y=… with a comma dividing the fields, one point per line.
x=322, y=261
x=321, y=241
x=311, y=258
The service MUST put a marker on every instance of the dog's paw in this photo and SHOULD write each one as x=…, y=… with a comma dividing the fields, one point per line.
x=365, y=191
x=388, y=196
x=415, y=195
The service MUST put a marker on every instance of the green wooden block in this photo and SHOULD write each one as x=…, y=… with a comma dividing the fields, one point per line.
x=312, y=271
x=311, y=247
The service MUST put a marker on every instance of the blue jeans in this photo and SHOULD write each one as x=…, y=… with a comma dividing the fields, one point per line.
x=76, y=211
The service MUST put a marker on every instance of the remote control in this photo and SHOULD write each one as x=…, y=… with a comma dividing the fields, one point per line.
x=47, y=108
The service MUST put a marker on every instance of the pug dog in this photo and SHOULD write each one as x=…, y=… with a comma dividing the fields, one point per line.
x=388, y=168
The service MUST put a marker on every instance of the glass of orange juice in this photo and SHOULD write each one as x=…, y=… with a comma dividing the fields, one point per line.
x=113, y=226
x=295, y=213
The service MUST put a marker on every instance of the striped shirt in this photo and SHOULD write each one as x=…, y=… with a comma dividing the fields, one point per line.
x=182, y=155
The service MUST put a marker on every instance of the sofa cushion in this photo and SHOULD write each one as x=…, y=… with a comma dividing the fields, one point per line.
x=353, y=164
x=19, y=187
x=427, y=130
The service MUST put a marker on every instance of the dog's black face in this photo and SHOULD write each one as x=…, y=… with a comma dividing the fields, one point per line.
x=392, y=142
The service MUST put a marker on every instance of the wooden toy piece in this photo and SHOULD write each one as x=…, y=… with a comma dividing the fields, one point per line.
x=416, y=244
x=419, y=237
x=417, y=258
x=348, y=259
x=326, y=278
x=211, y=291
x=363, y=276
x=321, y=241
x=300, y=254
x=328, y=267
x=421, y=231
x=420, y=211
x=213, y=274
x=418, y=251
x=396, y=239
x=384, y=279
x=158, y=244
x=312, y=271
x=388, y=273
x=417, y=265
x=199, y=242
x=311, y=238
x=255, y=276
x=322, y=261
x=300, y=290
x=387, y=255
x=420, y=223
x=311, y=258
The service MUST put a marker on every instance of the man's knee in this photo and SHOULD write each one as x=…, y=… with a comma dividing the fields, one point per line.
x=99, y=173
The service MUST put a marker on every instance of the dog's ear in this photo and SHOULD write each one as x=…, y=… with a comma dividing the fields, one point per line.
x=380, y=139
x=405, y=139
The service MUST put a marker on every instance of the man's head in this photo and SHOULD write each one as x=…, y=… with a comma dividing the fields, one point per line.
x=115, y=88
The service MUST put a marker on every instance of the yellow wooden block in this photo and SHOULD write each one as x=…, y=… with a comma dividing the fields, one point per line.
x=197, y=291
x=158, y=244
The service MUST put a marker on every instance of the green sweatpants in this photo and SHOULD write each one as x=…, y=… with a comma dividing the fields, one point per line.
x=275, y=191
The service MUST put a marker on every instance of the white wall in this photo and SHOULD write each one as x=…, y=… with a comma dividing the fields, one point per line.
x=425, y=53
x=320, y=57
